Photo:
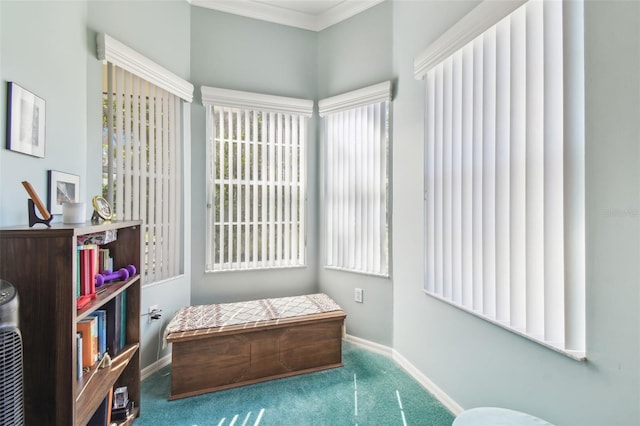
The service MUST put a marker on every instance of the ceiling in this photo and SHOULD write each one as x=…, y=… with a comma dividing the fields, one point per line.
x=314, y=15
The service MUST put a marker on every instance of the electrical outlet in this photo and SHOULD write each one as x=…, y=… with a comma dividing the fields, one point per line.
x=357, y=295
x=153, y=313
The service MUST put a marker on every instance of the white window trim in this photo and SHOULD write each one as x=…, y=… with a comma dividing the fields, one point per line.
x=111, y=50
x=216, y=96
x=367, y=95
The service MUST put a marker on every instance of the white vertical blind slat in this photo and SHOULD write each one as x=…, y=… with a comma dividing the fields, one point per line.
x=302, y=158
x=264, y=189
x=210, y=147
x=136, y=132
x=166, y=113
x=237, y=184
x=574, y=164
x=554, y=174
x=151, y=219
x=246, y=219
x=467, y=176
x=279, y=189
x=518, y=191
x=430, y=182
x=502, y=170
x=254, y=189
x=287, y=190
x=294, y=190
x=144, y=143
x=439, y=181
x=535, y=170
x=456, y=180
x=489, y=176
x=477, y=180
x=447, y=179
x=222, y=189
x=127, y=146
x=119, y=151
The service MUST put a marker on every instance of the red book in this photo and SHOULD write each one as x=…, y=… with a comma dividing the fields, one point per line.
x=86, y=274
x=93, y=267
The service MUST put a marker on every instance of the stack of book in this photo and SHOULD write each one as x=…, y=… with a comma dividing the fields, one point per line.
x=92, y=260
x=102, y=331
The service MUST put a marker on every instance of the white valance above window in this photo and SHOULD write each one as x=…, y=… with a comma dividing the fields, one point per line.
x=481, y=18
x=369, y=95
x=255, y=101
x=117, y=53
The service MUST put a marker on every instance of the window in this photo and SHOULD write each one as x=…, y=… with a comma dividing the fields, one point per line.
x=256, y=180
x=142, y=152
x=504, y=164
x=356, y=138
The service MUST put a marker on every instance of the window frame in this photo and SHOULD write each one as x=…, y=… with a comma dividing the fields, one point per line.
x=350, y=253
x=282, y=136
x=112, y=52
x=484, y=17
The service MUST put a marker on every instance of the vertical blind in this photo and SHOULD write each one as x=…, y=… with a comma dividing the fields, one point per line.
x=256, y=188
x=142, y=161
x=504, y=185
x=356, y=180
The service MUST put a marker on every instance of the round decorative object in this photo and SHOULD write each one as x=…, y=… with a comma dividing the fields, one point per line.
x=101, y=207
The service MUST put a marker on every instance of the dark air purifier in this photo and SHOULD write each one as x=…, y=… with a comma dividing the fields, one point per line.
x=11, y=395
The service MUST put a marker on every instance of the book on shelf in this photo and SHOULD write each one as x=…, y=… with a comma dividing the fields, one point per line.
x=116, y=324
x=87, y=268
x=89, y=329
x=105, y=260
x=91, y=260
x=101, y=315
x=79, y=355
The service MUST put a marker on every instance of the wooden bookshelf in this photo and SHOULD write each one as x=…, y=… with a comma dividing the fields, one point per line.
x=41, y=263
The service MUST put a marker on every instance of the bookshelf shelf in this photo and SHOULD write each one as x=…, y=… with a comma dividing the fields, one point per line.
x=42, y=264
x=110, y=291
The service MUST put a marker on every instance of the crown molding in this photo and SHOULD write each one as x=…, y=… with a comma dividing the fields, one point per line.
x=367, y=95
x=342, y=12
x=111, y=50
x=247, y=100
x=283, y=16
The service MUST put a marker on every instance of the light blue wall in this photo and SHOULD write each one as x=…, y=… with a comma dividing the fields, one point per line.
x=245, y=54
x=43, y=49
x=473, y=361
x=353, y=54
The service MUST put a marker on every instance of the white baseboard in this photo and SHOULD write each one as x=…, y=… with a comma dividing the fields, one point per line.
x=412, y=370
x=150, y=369
x=367, y=344
x=426, y=383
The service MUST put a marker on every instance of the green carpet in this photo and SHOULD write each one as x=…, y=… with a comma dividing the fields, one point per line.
x=370, y=389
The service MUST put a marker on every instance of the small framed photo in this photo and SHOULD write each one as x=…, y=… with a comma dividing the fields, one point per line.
x=63, y=188
x=25, y=121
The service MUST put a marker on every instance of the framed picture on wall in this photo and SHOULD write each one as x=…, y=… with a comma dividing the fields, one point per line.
x=25, y=121
x=63, y=188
